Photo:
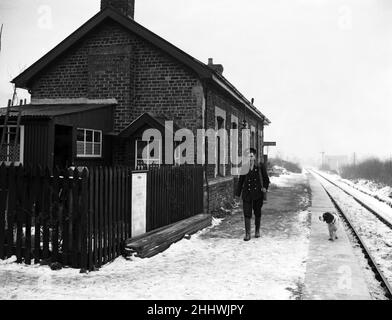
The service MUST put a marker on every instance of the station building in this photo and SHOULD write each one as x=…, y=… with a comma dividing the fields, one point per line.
x=95, y=93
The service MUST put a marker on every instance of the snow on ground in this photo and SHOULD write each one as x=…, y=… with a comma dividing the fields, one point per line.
x=278, y=171
x=381, y=207
x=214, y=264
x=376, y=190
x=377, y=235
x=285, y=180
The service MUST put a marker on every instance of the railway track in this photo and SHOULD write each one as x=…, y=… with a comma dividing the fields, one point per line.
x=362, y=243
x=375, y=213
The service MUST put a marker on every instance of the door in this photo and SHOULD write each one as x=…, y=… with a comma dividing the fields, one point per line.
x=63, y=146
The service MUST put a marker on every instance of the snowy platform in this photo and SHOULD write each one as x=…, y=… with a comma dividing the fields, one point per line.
x=332, y=270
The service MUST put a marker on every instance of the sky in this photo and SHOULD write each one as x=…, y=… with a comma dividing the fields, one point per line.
x=320, y=70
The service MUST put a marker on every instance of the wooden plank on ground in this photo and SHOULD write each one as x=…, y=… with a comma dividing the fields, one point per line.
x=158, y=240
x=172, y=236
x=160, y=246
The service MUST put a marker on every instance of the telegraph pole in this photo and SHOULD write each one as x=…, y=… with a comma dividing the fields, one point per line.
x=322, y=159
x=1, y=33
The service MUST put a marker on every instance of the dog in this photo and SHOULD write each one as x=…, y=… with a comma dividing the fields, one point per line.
x=331, y=219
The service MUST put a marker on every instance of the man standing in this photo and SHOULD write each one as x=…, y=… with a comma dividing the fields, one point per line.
x=252, y=184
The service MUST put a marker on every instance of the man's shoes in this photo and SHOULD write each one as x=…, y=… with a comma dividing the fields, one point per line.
x=257, y=227
x=247, y=229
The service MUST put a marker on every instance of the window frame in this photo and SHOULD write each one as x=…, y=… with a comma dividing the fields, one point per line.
x=21, y=146
x=234, y=121
x=149, y=161
x=253, y=137
x=85, y=143
x=220, y=113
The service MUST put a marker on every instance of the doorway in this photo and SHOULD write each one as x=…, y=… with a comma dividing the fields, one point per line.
x=63, y=146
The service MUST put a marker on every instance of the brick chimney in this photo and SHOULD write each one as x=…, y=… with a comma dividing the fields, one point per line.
x=216, y=67
x=126, y=7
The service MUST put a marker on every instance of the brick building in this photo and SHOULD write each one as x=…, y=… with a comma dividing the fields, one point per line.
x=95, y=93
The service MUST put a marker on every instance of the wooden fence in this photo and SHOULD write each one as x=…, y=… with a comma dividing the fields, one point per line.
x=82, y=219
x=77, y=218
x=173, y=194
x=109, y=214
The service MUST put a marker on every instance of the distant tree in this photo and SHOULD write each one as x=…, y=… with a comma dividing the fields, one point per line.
x=372, y=169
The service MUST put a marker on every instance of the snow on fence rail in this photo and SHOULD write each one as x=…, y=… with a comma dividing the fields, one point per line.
x=81, y=219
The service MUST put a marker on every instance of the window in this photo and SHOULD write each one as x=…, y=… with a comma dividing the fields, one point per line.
x=253, y=137
x=9, y=153
x=260, y=144
x=89, y=143
x=221, y=143
x=152, y=159
x=234, y=143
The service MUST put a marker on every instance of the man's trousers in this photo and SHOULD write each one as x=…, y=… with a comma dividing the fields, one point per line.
x=254, y=206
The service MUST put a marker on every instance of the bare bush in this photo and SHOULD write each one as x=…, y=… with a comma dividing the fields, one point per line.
x=371, y=169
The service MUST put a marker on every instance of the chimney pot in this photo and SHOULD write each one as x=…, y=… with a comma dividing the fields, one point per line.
x=216, y=67
x=126, y=7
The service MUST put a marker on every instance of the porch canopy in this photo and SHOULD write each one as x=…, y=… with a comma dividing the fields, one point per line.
x=144, y=121
x=89, y=115
x=133, y=133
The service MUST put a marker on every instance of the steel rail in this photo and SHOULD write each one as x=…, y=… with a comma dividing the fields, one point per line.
x=378, y=272
x=378, y=216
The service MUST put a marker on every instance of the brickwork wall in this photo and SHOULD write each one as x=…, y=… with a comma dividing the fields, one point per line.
x=216, y=98
x=110, y=62
x=221, y=194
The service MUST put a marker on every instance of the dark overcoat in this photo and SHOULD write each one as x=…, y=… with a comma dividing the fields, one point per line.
x=247, y=182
